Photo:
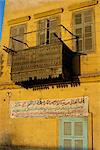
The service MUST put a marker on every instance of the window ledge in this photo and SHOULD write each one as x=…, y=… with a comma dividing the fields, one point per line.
x=82, y=5
x=90, y=75
x=48, y=13
x=19, y=20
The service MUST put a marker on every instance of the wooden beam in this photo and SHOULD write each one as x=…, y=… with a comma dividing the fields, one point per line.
x=82, y=5
x=48, y=13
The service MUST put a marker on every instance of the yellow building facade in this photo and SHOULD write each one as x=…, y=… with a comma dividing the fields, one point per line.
x=44, y=112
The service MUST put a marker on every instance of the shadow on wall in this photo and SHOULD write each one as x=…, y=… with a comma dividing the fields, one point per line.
x=34, y=148
x=6, y=142
x=7, y=145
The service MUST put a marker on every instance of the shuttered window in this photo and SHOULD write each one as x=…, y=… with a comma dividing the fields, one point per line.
x=83, y=26
x=47, y=28
x=17, y=32
x=73, y=134
x=41, y=32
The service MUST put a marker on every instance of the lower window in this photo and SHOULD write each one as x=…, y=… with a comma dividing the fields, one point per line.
x=73, y=133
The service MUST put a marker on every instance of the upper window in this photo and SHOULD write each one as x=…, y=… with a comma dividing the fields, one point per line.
x=17, y=32
x=83, y=24
x=47, y=28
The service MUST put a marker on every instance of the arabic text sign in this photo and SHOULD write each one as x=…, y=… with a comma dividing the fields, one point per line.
x=49, y=108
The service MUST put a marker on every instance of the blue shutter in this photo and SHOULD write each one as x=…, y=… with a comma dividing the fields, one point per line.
x=73, y=133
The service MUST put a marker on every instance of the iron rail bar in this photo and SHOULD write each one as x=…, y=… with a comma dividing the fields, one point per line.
x=19, y=41
x=8, y=50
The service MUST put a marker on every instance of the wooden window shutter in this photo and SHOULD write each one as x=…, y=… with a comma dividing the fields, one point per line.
x=88, y=30
x=83, y=27
x=21, y=37
x=78, y=29
x=79, y=33
x=67, y=144
x=78, y=132
x=88, y=37
x=78, y=19
x=41, y=32
x=46, y=29
x=13, y=33
x=78, y=129
x=67, y=128
x=79, y=144
x=54, y=28
x=17, y=32
x=76, y=137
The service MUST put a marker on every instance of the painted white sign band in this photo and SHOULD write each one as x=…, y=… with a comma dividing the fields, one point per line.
x=49, y=108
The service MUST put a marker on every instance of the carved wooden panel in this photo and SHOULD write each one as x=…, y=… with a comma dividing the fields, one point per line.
x=37, y=62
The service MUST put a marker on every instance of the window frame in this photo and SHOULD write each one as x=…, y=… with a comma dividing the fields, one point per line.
x=84, y=120
x=9, y=61
x=83, y=25
x=46, y=30
x=18, y=26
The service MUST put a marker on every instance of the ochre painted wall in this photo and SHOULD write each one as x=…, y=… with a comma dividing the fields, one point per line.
x=28, y=131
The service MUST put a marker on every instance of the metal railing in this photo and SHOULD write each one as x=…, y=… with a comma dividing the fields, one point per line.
x=31, y=39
